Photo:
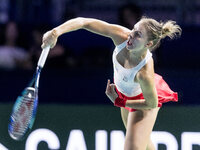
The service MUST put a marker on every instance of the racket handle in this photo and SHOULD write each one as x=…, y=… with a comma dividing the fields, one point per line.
x=43, y=56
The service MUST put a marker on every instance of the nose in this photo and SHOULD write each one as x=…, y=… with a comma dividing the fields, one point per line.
x=131, y=37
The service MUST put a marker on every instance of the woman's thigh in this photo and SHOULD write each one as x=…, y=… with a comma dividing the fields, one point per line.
x=139, y=127
x=124, y=115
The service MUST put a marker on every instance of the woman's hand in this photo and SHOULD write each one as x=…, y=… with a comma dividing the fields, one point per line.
x=110, y=91
x=49, y=39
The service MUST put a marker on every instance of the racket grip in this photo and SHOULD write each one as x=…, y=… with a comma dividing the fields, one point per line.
x=43, y=56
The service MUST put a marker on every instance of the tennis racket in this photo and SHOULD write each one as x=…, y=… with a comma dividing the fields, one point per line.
x=25, y=107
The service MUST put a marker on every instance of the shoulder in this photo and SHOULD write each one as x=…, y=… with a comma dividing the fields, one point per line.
x=121, y=34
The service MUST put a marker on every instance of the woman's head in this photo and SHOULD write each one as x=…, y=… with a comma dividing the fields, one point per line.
x=154, y=31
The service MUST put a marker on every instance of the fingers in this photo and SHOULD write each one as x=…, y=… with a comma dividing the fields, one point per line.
x=45, y=39
x=108, y=84
x=43, y=45
x=110, y=88
x=110, y=91
x=49, y=39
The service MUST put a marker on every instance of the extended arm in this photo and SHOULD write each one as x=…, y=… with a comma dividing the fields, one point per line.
x=117, y=33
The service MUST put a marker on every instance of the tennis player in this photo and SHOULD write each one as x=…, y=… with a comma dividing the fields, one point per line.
x=137, y=90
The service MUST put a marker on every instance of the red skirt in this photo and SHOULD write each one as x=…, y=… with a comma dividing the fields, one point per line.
x=165, y=94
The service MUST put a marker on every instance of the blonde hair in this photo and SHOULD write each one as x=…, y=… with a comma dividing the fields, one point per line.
x=160, y=30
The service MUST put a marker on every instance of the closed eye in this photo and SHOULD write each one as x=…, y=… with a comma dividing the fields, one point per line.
x=138, y=33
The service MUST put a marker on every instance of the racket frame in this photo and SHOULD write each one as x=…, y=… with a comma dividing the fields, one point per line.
x=34, y=84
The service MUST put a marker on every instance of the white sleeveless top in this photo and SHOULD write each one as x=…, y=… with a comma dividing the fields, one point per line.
x=124, y=78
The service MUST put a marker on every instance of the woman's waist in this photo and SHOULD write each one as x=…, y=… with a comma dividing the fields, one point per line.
x=129, y=91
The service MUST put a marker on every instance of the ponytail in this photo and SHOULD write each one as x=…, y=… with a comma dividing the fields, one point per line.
x=159, y=30
x=170, y=29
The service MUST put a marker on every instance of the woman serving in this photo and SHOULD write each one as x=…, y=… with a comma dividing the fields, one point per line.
x=137, y=90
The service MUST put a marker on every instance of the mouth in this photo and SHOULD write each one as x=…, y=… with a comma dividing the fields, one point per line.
x=129, y=43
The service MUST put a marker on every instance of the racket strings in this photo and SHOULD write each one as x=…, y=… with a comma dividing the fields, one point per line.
x=24, y=110
x=23, y=115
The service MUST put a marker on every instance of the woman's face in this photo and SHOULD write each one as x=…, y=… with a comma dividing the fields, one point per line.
x=137, y=39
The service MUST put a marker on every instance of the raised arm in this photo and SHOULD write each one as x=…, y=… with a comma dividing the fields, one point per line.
x=117, y=33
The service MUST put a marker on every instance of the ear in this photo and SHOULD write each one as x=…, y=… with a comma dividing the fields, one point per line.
x=149, y=44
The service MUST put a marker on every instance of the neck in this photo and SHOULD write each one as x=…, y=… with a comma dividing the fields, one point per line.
x=137, y=55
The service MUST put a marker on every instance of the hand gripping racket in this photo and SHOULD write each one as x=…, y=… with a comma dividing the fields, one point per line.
x=25, y=107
